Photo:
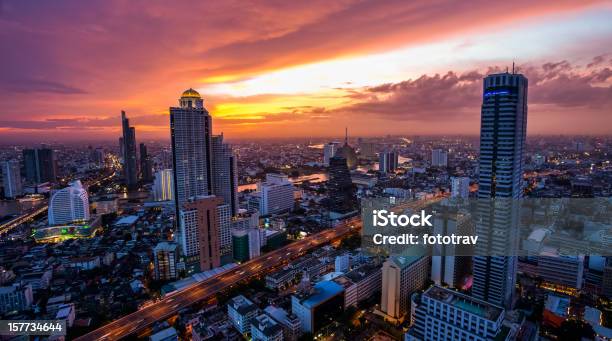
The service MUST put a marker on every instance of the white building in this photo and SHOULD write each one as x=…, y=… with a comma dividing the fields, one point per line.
x=292, y=328
x=360, y=284
x=276, y=194
x=329, y=151
x=401, y=277
x=69, y=204
x=11, y=179
x=265, y=328
x=15, y=298
x=342, y=263
x=165, y=256
x=241, y=312
x=163, y=185
x=439, y=158
x=460, y=187
x=442, y=314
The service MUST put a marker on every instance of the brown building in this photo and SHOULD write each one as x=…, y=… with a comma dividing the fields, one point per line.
x=200, y=225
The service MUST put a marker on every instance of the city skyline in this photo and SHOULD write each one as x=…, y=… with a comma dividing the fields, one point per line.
x=425, y=53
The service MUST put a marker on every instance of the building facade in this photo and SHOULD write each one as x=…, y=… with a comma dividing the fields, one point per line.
x=401, y=277
x=11, y=177
x=130, y=159
x=276, y=194
x=225, y=173
x=199, y=233
x=69, y=205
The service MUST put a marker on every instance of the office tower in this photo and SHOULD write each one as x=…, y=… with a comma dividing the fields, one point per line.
x=562, y=271
x=190, y=127
x=318, y=307
x=502, y=140
x=163, y=185
x=40, y=165
x=130, y=165
x=401, y=277
x=439, y=158
x=69, y=204
x=388, y=161
x=241, y=312
x=11, y=179
x=264, y=328
x=460, y=187
x=442, y=314
x=276, y=194
x=146, y=164
x=165, y=256
x=348, y=153
x=99, y=156
x=246, y=243
x=329, y=151
x=342, y=193
x=199, y=233
x=225, y=173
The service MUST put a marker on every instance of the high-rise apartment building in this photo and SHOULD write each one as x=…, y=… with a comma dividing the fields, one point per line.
x=439, y=158
x=388, y=161
x=130, y=165
x=69, y=204
x=199, y=233
x=190, y=126
x=342, y=192
x=502, y=141
x=401, y=277
x=11, y=177
x=442, y=314
x=276, y=194
x=225, y=173
x=40, y=165
x=146, y=164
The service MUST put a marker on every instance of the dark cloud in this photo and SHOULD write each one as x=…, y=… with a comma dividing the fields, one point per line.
x=27, y=86
x=458, y=95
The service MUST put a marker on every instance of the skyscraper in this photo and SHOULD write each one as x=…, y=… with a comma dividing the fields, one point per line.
x=11, y=179
x=69, y=204
x=190, y=127
x=130, y=170
x=146, y=166
x=225, y=173
x=502, y=140
x=40, y=165
x=439, y=158
x=340, y=187
x=163, y=185
x=388, y=161
x=199, y=233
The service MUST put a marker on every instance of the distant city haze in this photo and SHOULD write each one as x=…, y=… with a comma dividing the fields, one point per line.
x=295, y=69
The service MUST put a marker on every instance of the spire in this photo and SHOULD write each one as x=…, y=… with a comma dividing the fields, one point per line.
x=512, y=66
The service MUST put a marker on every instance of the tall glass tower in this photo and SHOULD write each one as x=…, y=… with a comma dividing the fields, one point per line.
x=130, y=170
x=502, y=140
x=190, y=127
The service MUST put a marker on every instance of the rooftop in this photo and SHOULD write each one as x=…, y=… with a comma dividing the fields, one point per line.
x=465, y=302
x=322, y=292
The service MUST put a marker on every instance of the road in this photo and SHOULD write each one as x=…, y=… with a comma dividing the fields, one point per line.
x=172, y=303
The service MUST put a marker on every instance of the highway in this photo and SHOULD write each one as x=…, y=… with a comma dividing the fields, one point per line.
x=172, y=303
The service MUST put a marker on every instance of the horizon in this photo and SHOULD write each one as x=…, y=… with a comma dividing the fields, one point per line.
x=318, y=67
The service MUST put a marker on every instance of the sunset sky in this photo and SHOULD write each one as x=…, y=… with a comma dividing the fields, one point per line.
x=298, y=68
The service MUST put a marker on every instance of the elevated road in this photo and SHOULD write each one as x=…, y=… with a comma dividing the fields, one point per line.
x=172, y=303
